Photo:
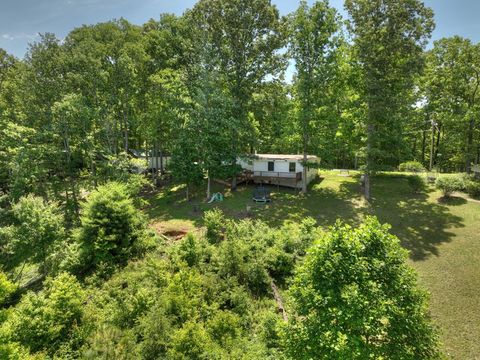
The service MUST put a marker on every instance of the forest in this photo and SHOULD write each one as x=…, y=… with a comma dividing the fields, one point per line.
x=83, y=275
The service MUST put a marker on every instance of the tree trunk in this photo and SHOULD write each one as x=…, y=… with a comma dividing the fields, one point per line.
x=161, y=161
x=304, y=172
x=477, y=157
x=468, y=153
x=125, y=141
x=125, y=129
x=304, y=165
x=437, y=144
x=424, y=144
x=366, y=184
x=208, y=186
x=432, y=144
x=75, y=199
x=155, y=162
x=93, y=169
x=368, y=165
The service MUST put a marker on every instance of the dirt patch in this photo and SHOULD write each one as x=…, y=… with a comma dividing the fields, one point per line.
x=175, y=234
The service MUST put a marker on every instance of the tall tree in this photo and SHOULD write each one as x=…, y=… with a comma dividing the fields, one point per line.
x=389, y=37
x=313, y=43
x=242, y=42
x=453, y=92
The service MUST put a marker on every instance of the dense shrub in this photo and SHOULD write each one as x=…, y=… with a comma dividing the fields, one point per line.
x=449, y=184
x=290, y=244
x=411, y=166
x=215, y=223
x=190, y=342
x=416, y=182
x=42, y=321
x=37, y=228
x=472, y=188
x=7, y=288
x=111, y=226
x=355, y=297
x=110, y=342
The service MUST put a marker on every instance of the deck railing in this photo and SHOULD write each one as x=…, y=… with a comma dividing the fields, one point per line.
x=278, y=174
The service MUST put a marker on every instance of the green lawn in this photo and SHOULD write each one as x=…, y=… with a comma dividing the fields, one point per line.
x=443, y=237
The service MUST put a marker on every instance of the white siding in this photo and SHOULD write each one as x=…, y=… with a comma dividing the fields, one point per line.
x=260, y=165
x=279, y=165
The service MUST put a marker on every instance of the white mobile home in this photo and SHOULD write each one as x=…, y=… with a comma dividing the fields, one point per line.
x=278, y=169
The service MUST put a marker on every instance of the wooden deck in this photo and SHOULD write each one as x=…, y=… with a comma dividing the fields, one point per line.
x=288, y=179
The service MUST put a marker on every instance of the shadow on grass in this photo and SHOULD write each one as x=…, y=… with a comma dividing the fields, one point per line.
x=452, y=200
x=421, y=225
x=323, y=203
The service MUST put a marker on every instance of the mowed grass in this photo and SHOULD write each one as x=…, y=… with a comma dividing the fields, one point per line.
x=443, y=237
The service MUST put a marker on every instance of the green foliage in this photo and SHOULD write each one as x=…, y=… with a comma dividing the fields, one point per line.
x=205, y=88
x=314, y=43
x=36, y=232
x=112, y=228
x=290, y=245
x=449, y=184
x=416, y=183
x=109, y=342
x=451, y=89
x=190, y=342
x=389, y=39
x=411, y=166
x=7, y=288
x=193, y=250
x=472, y=188
x=229, y=68
x=185, y=166
x=197, y=299
x=15, y=351
x=215, y=223
x=355, y=297
x=42, y=321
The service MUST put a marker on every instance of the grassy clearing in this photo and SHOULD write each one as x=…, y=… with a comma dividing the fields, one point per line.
x=443, y=237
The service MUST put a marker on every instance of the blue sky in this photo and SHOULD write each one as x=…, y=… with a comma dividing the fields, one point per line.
x=22, y=20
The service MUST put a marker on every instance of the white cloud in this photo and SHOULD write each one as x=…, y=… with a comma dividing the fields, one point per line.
x=18, y=36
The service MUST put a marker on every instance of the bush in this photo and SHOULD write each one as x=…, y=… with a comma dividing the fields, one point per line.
x=111, y=226
x=290, y=244
x=356, y=297
x=190, y=342
x=7, y=288
x=215, y=222
x=417, y=184
x=42, y=321
x=38, y=226
x=110, y=342
x=472, y=188
x=411, y=166
x=449, y=184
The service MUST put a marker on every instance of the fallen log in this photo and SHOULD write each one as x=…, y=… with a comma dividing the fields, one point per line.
x=278, y=300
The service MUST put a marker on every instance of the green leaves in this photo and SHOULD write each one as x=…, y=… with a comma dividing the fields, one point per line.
x=111, y=226
x=452, y=91
x=355, y=297
x=43, y=321
x=389, y=37
x=37, y=230
x=314, y=42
